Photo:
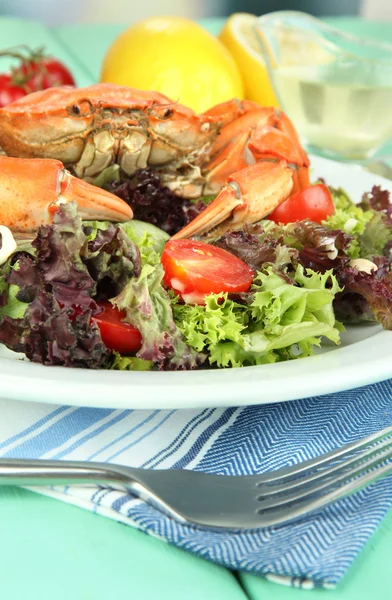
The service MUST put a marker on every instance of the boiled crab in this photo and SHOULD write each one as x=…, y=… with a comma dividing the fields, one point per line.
x=250, y=156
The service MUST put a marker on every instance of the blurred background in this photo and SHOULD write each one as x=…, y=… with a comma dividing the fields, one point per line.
x=54, y=12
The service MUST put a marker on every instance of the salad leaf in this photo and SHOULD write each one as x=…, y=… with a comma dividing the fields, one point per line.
x=69, y=269
x=111, y=259
x=364, y=296
x=368, y=223
x=149, y=239
x=376, y=237
x=109, y=175
x=320, y=248
x=13, y=308
x=151, y=201
x=281, y=320
x=379, y=200
x=148, y=307
x=49, y=336
x=314, y=246
x=350, y=218
x=256, y=248
x=129, y=363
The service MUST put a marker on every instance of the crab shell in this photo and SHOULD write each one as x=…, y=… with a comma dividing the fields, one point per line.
x=91, y=128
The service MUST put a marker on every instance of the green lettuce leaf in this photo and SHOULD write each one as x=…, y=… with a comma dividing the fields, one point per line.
x=109, y=174
x=377, y=234
x=10, y=304
x=129, y=363
x=149, y=239
x=14, y=307
x=281, y=320
x=371, y=230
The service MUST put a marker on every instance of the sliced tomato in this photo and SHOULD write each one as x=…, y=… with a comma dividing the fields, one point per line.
x=314, y=203
x=117, y=335
x=196, y=269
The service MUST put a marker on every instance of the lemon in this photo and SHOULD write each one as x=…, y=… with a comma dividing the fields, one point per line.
x=240, y=39
x=176, y=57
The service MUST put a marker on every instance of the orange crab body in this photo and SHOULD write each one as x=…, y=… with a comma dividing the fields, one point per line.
x=249, y=155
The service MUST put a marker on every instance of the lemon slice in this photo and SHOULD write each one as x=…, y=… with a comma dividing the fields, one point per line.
x=176, y=57
x=240, y=39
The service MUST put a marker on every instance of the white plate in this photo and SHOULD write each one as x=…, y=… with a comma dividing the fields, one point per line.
x=364, y=357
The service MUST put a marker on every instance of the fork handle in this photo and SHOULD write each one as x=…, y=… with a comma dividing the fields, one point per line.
x=37, y=472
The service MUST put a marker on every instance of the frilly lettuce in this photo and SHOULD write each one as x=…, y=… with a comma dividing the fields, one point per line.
x=367, y=223
x=279, y=320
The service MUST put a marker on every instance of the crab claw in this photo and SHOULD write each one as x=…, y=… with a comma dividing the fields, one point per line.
x=31, y=191
x=248, y=196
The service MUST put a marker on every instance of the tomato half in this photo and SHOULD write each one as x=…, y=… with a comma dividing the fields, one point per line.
x=196, y=269
x=314, y=203
x=117, y=335
x=8, y=91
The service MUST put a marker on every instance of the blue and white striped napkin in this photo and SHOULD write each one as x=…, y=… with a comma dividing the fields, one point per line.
x=313, y=553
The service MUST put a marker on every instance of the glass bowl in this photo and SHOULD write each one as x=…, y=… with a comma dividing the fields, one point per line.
x=336, y=87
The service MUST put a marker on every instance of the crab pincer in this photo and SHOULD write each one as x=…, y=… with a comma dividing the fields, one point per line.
x=248, y=196
x=31, y=191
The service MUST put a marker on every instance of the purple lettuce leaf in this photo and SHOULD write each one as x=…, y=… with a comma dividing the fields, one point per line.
x=56, y=336
x=320, y=248
x=377, y=199
x=153, y=202
x=257, y=247
x=27, y=277
x=352, y=308
x=248, y=247
x=365, y=296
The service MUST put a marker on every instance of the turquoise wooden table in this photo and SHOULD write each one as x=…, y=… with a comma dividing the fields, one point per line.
x=50, y=550
x=53, y=550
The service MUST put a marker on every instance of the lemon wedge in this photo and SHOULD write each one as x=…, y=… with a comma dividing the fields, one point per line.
x=176, y=57
x=240, y=39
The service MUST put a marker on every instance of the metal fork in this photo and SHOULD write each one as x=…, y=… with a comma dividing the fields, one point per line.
x=221, y=501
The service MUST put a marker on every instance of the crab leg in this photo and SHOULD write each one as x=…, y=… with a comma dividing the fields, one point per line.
x=32, y=189
x=248, y=196
x=254, y=134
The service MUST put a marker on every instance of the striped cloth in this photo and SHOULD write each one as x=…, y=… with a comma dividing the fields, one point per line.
x=313, y=553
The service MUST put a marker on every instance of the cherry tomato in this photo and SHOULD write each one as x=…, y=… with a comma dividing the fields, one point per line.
x=8, y=91
x=41, y=73
x=314, y=203
x=117, y=335
x=195, y=269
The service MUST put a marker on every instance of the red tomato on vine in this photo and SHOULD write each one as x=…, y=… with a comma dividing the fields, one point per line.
x=35, y=71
